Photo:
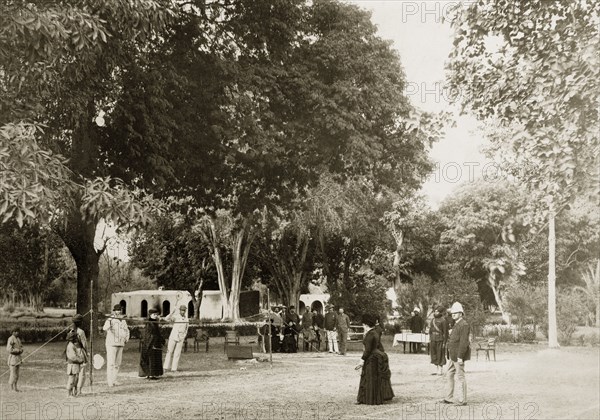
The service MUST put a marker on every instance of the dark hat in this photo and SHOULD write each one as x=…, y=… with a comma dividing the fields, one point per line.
x=369, y=319
x=77, y=318
x=292, y=307
x=117, y=307
x=440, y=309
x=153, y=311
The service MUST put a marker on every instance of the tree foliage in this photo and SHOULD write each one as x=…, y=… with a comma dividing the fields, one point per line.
x=533, y=67
x=238, y=105
x=475, y=239
x=32, y=259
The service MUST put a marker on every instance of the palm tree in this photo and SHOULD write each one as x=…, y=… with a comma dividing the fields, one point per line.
x=591, y=277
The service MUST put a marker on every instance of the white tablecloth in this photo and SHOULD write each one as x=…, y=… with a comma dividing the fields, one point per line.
x=410, y=338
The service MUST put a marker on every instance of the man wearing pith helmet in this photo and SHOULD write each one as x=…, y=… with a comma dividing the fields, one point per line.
x=459, y=350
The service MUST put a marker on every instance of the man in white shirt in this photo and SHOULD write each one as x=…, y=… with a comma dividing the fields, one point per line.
x=117, y=334
x=177, y=338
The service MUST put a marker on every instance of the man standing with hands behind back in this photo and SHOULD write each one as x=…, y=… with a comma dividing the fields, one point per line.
x=343, y=325
x=458, y=347
x=177, y=338
x=117, y=334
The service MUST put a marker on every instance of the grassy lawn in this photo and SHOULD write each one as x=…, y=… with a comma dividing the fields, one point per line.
x=526, y=382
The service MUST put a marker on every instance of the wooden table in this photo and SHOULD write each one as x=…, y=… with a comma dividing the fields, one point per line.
x=410, y=338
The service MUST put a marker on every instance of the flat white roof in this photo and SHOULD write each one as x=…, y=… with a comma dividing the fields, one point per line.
x=152, y=292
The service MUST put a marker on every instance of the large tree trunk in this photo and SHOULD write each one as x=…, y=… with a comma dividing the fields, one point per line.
x=79, y=239
x=197, y=298
x=230, y=296
x=552, y=327
x=505, y=316
x=241, y=248
x=78, y=235
x=287, y=269
x=399, y=237
x=294, y=297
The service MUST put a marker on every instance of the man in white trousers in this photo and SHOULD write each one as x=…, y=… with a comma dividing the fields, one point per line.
x=117, y=334
x=177, y=338
x=330, y=329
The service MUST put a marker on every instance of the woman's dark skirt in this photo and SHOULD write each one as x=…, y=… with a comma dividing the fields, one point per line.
x=289, y=345
x=375, y=380
x=438, y=355
x=151, y=363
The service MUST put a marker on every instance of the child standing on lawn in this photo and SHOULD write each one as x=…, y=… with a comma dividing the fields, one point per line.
x=74, y=360
x=14, y=349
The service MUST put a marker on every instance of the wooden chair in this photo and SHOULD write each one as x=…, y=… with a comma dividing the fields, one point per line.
x=201, y=337
x=356, y=333
x=231, y=337
x=487, y=347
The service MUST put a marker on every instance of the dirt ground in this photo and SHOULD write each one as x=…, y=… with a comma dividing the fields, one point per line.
x=525, y=382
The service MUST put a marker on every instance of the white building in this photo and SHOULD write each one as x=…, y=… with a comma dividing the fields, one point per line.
x=314, y=301
x=136, y=303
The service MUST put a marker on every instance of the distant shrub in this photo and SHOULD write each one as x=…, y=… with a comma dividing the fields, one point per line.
x=8, y=307
x=35, y=334
x=527, y=334
x=569, y=315
x=503, y=333
x=588, y=339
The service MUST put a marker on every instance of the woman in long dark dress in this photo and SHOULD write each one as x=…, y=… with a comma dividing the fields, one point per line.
x=375, y=379
x=152, y=342
x=438, y=336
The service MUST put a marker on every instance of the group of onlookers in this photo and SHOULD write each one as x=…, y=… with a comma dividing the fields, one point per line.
x=313, y=327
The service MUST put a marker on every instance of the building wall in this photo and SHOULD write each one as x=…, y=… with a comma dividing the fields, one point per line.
x=135, y=306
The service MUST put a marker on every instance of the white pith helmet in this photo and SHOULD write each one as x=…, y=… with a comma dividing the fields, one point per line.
x=456, y=307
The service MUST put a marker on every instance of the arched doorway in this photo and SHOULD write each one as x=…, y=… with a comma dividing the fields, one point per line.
x=191, y=309
x=166, y=308
x=144, y=309
x=317, y=306
x=123, y=307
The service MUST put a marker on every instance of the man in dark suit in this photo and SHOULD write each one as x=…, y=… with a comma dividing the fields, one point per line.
x=458, y=347
x=319, y=324
x=331, y=334
x=416, y=326
x=292, y=321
